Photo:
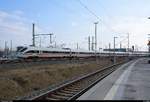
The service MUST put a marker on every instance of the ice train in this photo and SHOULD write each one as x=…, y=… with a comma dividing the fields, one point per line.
x=51, y=52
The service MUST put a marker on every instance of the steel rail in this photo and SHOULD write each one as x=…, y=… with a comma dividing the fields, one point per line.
x=8, y=61
x=75, y=88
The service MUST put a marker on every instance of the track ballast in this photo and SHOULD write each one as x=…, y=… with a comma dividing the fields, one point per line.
x=74, y=89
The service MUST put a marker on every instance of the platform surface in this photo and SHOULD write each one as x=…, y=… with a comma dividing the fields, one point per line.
x=131, y=81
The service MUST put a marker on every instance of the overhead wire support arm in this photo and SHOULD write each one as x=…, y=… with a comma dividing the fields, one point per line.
x=34, y=35
x=47, y=34
x=42, y=34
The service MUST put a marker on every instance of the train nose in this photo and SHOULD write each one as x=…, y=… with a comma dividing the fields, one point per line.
x=19, y=54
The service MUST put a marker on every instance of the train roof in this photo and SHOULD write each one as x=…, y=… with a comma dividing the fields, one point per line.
x=66, y=50
x=56, y=49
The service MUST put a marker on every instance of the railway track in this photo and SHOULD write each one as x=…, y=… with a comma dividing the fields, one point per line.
x=13, y=61
x=19, y=60
x=73, y=89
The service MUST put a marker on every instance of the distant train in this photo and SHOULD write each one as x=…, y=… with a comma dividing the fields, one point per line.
x=39, y=52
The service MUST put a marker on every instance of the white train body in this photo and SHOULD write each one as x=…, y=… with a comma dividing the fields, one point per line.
x=39, y=52
x=28, y=52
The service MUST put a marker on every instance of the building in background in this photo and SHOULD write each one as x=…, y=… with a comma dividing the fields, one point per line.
x=116, y=50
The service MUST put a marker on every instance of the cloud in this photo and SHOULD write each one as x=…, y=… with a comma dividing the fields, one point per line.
x=137, y=27
x=12, y=23
x=74, y=24
x=19, y=12
x=14, y=26
x=17, y=27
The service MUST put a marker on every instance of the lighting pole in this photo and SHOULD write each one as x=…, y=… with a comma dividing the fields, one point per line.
x=33, y=34
x=95, y=35
x=40, y=41
x=92, y=46
x=96, y=40
x=120, y=45
x=11, y=48
x=109, y=49
x=128, y=43
x=89, y=42
x=114, y=50
x=50, y=37
x=77, y=46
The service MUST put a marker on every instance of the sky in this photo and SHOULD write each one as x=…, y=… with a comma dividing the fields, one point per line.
x=72, y=23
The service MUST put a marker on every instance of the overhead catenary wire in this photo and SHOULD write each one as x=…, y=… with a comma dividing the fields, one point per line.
x=106, y=11
x=90, y=11
x=95, y=15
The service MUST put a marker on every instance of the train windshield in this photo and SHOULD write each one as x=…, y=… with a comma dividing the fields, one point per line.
x=23, y=49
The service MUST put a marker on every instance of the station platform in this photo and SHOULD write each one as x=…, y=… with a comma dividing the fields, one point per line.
x=130, y=81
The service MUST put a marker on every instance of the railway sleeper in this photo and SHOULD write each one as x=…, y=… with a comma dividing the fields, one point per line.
x=74, y=88
x=59, y=97
x=71, y=90
x=50, y=98
x=63, y=94
x=53, y=98
x=86, y=83
x=90, y=81
x=76, y=85
x=67, y=92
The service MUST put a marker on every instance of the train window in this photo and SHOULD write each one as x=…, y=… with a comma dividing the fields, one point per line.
x=50, y=52
x=23, y=49
x=61, y=52
x=46, y=52
x=33, y=51
x=30, y=51
x=82, y=52
x=55, y=52
x=36, y=51
x=73, y=52
x=67, y=52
